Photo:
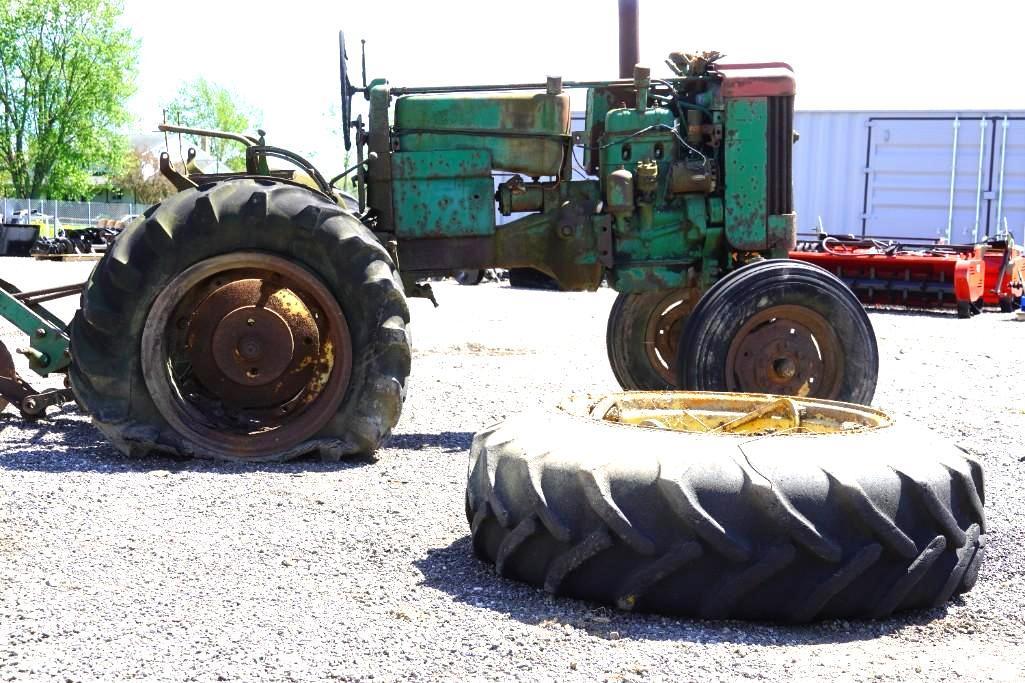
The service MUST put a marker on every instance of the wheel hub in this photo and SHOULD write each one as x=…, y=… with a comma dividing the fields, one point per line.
x=246, y=352
x=788, y=350
x=242, y=338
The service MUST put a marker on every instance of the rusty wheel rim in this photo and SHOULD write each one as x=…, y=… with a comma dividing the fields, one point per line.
x=789, y=350
x=246, y=354
x=662, y=332
x=707, y=412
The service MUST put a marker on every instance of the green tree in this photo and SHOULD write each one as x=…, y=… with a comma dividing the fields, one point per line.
x=202, y=104
x=66, y=71
x=142, y=179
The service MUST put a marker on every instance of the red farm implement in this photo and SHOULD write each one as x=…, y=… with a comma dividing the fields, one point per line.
x=1005, y=264
x=884, y=274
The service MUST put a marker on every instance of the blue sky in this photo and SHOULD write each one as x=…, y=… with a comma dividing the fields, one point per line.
x=281, y=57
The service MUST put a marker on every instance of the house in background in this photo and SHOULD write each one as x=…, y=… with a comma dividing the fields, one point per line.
x=147, y=148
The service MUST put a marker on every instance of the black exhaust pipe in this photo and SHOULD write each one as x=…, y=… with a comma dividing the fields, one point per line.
x=629, y=51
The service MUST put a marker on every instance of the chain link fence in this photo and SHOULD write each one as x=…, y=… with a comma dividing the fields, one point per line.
x=53, y=215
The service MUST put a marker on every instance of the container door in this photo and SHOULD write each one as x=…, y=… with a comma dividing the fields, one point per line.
x=1007, y=182
x=927, y=178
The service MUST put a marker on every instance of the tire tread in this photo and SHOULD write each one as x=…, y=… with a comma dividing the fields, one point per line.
x=735, y=560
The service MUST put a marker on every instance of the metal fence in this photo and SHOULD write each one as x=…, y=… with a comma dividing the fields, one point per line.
x=67, y=214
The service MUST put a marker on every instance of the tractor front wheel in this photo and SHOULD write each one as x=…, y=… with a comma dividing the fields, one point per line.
x=245, y=320
x=780, y=327
x=643, y=335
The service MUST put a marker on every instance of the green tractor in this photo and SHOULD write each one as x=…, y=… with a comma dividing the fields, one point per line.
x=262, y=315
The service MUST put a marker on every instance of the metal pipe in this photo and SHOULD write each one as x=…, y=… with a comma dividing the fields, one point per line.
x=74, y=289
x=629, y=40
x=203, y=132
x=566, y=85
x=1003, y=161
x=43, y=295
x=953, y=179
x=978, y=182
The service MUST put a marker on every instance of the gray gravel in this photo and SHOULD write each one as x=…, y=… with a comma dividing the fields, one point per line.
x=113, y=568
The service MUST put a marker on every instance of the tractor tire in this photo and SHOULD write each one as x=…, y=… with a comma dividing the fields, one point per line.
x=469, y=278
x=793, y=528
x=300, y=259
x=642, y=337
x=780, y=327
x=964, y=310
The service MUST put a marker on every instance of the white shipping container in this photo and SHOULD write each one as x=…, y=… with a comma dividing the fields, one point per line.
x=911, y=176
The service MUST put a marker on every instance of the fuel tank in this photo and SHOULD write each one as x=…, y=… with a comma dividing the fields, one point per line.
x=524, y=132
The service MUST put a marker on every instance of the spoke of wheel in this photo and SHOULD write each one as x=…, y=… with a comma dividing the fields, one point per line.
x=782, y=407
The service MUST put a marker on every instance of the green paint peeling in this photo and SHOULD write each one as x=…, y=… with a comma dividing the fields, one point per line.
x=746, y=157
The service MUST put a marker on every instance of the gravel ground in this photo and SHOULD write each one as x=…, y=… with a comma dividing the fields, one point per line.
x=114, y=568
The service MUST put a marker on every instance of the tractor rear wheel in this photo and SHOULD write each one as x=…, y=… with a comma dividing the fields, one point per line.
x=780, y=327
x=245, y=320
x=643, y=335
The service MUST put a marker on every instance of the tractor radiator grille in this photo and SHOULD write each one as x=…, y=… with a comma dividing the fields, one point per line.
x=780, y=167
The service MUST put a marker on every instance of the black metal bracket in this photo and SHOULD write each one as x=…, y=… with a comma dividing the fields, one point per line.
x=179, y=181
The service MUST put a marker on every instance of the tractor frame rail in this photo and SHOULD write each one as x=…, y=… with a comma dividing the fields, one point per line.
x=47, y=350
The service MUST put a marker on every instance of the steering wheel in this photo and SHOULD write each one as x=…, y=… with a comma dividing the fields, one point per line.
x=347, y=90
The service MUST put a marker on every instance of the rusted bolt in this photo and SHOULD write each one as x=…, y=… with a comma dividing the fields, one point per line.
x=566, y=230
x=250, y=322
x=40, y=332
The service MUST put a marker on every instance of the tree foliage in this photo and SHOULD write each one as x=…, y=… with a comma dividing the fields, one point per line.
x=201, y=104
x=142, y=179
x=66, y=71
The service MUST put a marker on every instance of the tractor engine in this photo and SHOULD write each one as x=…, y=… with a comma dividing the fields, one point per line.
x=702, y=171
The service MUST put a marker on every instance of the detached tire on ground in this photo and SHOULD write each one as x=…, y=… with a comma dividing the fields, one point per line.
x=246, y=320
x=865, y=518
